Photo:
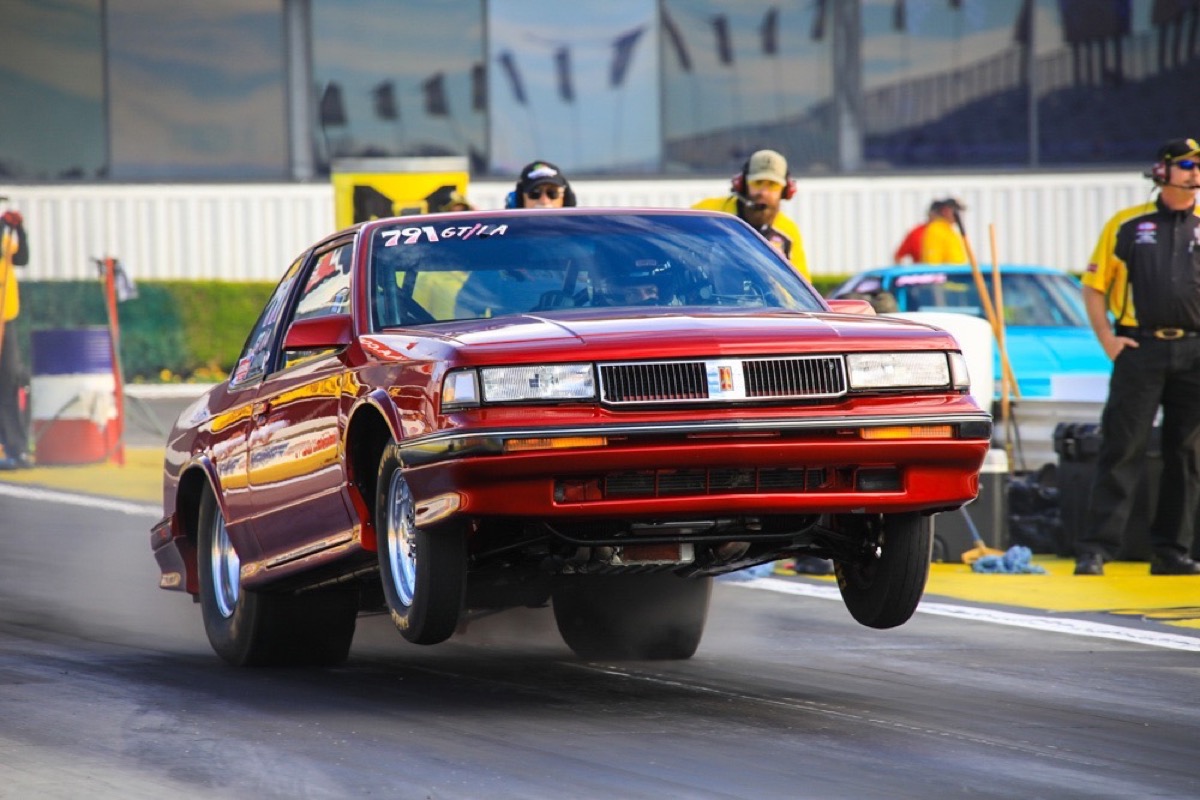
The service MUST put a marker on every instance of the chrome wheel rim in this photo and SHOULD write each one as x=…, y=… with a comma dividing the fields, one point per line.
x=226, y=568
x=400, y=540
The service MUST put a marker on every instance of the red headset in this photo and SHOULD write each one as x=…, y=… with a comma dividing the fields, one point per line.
x=1159, y=171
x=739, y=187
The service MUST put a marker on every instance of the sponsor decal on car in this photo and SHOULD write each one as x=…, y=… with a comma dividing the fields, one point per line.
x=922, y=278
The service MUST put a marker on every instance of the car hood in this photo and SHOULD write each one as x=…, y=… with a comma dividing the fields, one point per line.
x=1037, y=354
x=666, y=334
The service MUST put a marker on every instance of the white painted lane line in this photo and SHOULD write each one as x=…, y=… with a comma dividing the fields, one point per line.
x=1065, y=625
x=1073, y=627
x=66, y=498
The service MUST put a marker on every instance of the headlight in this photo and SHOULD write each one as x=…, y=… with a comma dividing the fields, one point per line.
x=958, y=372
x=898, y=370
x=460, y=389
x=538, y=382
x=528, y=384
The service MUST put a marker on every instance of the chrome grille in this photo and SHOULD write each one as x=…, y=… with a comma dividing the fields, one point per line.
x=723, y=380
x=658, y=382
x=814, y=376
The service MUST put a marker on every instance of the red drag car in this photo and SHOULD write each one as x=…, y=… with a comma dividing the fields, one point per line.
x=449, y=415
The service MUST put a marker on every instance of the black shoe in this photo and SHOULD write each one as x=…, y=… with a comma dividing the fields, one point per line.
x=1089, y=565
x=1173, y=564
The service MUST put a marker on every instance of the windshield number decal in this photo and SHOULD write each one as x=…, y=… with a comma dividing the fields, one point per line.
x=396, y=236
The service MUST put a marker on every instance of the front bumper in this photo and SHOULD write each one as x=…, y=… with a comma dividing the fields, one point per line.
x=477, y=472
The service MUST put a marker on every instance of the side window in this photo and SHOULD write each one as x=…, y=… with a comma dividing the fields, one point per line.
x=252, y=363
x=326, y=291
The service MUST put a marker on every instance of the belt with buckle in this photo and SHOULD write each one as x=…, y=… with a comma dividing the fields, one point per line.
x=1162, y=334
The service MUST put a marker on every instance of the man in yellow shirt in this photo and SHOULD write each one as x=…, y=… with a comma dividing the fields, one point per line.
x=755, y=196
x=13, y=252
x=1145, y=272
x=942, y=243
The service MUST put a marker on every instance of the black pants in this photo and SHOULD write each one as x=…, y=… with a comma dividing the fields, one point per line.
x=1158, y=373
x=12, y=427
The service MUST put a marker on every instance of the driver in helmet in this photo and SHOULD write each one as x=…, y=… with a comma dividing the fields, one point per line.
x=636, y=285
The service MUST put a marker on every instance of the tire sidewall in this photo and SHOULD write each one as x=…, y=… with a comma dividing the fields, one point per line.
x=885, y=592
x=229, y=636
x=403, y=615
x=439, y=579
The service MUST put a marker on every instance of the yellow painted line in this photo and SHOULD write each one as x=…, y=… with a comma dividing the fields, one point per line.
x=139, y=480
x=1125, y=585
x=1126, y=589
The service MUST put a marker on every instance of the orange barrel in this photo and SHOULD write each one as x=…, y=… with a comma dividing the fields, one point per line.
x=73, y=396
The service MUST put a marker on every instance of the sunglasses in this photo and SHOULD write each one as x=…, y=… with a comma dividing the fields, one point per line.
x=1186, y=165
x=536, y=194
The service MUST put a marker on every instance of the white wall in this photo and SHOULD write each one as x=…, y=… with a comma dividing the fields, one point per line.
x=252, y=231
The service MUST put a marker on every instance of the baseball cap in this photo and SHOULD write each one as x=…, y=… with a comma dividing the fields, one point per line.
x=539, y=172
x=1178, y=148
x=767, y=165
x=457, y=201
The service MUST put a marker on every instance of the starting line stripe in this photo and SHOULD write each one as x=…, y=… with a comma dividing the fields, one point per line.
x=1072, y=627
x=1066, y=625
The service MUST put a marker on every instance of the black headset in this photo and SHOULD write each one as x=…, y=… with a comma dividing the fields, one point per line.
x=1159, y=171
x=513, y=199
x=740, y=185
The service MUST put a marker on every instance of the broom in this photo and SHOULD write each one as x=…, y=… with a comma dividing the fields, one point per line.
x=1007, y=379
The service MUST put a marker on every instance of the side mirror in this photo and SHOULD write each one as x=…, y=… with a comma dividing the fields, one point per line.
x=847, y=305
x=331, y=332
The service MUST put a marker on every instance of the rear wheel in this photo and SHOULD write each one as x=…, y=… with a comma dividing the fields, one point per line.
x=640, y=616
x=424, y=572
x=884, y=592
x=248, y=628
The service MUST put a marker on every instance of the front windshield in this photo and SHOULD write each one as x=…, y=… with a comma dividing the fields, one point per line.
x=464, y=270
x=1030, y=299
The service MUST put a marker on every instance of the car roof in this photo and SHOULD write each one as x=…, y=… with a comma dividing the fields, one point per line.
x=575, y=211
x=958, y=269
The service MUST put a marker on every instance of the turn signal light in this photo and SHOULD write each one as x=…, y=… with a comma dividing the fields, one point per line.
x=909, y=432
x=555, y=443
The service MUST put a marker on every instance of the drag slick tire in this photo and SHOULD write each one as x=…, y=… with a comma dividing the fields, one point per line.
x=256, y=629
x=884, y=592
x=424, y=572
x=656, y=616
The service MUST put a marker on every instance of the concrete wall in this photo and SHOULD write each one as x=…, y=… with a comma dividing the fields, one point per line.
x=252, y=231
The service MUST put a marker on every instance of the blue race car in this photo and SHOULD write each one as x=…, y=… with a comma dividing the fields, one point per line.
x=1046, y=328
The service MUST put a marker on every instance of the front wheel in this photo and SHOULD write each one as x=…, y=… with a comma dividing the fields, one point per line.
x=248, y=628
x=639, y=616
x=424, y=572
x=884, y=592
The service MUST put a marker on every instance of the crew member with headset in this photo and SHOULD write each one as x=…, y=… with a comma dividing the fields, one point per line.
x=1146, y=272
x=755, y=195
x=541, y=185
